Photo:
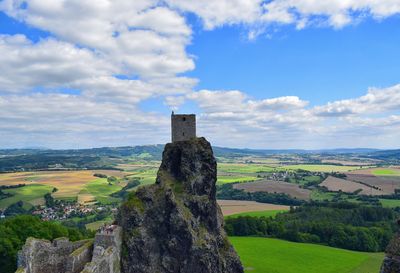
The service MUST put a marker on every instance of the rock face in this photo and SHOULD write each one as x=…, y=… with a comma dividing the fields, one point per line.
x=175, y=225
x=391, y=263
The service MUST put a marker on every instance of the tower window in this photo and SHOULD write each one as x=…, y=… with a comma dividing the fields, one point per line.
x=184, y=119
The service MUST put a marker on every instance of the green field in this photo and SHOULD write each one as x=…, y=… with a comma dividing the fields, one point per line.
x=101, y=190
x=386, y=172
x=32, y=194
x=146, y=176
x=265, y=213
x=244, y=168
x=390, y=203
x=233, y=179
x=264, y=255
x=319, y=168
x=321, y=196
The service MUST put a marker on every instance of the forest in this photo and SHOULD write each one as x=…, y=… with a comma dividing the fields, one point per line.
x=343, y=225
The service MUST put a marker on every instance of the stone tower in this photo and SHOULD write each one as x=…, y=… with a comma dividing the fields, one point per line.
x=183, y=127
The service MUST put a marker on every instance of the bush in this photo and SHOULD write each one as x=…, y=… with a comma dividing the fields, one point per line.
x=100, y=175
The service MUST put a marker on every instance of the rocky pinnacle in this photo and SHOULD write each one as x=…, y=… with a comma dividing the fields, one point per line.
x=176, y=225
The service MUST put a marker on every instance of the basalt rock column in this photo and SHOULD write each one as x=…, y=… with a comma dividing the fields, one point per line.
x=176, y=225
x=391, y=263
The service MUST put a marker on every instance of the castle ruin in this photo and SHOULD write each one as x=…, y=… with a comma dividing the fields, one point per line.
x=101, y=255
x=183, y=127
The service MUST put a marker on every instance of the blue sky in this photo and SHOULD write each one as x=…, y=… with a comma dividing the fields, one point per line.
x=259, y=74
x=317, y=64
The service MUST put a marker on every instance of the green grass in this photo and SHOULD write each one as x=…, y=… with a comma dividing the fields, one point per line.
x=265, y=255
x=390, y=203
x=144, y=155
x=244, y=168
x=386, y=172
x=145, y=176
x=233, y=179
x=101, y=190
x=321, y=196
x=264, y=213
x=27, y=194
x=319, y=168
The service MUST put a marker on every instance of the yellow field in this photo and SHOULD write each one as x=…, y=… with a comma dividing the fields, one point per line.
x=68, y=183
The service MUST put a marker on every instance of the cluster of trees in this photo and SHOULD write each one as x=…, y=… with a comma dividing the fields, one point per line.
x=344, y=225
x=6, y=187
x=15, y=230
x=54, y=160
x=3, y=194
x=227, y=192
x=49, y=200
x=100, y=175
x=81, y=221
x=16, y=209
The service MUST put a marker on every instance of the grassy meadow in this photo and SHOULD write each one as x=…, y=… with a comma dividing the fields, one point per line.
x=390, y=203
x=85, y=188
x=30, y=195
x=265, y=213
x=235, y=179
x=320, y=168
x=265, y=255
x=386, y=172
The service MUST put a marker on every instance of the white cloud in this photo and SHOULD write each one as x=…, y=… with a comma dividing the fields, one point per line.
x=61, y=120
x=118, y=53
x=137, y=36
x=231, y=117
x=281, y=103
x=375, y=101
x=48, y=63
x=174, y=102
x=302, y=13
x=221, y=12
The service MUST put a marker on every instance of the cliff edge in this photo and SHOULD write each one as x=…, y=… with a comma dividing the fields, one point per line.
x=176, y=225
x=391, y=263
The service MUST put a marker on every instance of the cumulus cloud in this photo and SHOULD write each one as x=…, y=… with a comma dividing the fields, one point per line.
x=61, y=120
x=48, y=63
x=144, y=39
x=115, y=54
x=289, y=121
x=302, y=13
x=375, y=101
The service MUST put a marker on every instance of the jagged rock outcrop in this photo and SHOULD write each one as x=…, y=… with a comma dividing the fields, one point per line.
x=391, y=263
x=176, y=225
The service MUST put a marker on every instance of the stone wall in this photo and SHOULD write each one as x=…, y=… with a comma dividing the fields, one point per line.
x=106, y=253
x=62, y=256
x=183, y=127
